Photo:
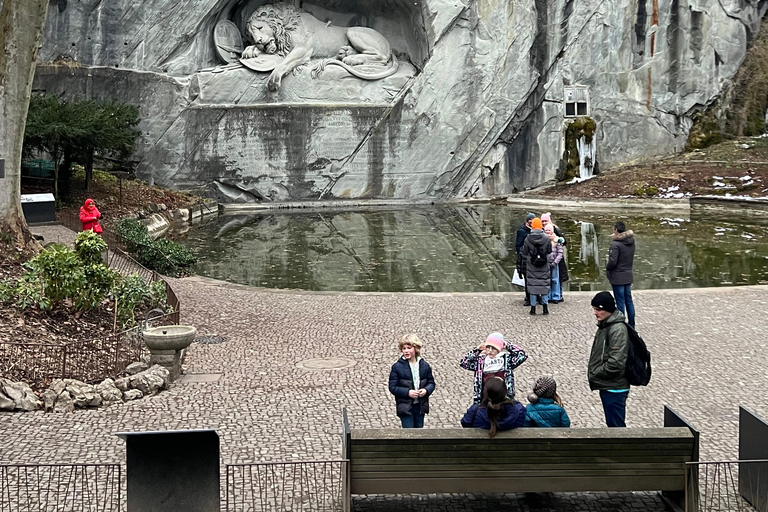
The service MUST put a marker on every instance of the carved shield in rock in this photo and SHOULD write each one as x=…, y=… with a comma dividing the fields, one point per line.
x=263, y=63
x=228, y=41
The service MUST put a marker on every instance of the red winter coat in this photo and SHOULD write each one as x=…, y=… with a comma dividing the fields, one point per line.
x=89, y=216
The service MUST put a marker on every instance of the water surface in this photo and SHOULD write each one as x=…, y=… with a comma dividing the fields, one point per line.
x=467, y=249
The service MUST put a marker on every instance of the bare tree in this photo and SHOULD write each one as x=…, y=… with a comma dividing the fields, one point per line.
x=21, y=31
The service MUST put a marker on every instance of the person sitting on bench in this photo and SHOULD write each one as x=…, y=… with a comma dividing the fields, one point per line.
x=496, y=412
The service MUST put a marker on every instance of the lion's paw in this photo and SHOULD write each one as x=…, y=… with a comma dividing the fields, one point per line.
x=251, y=52
x=354, y=60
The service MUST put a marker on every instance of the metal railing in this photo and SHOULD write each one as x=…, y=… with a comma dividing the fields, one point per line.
x=89, y=359
x=278, y=486
x=720, y=485
x=115, y=241
x=60, y=487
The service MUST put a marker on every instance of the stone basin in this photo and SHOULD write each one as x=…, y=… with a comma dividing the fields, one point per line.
x=169, y=337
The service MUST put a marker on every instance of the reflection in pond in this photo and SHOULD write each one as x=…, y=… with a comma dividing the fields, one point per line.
x=466, y=249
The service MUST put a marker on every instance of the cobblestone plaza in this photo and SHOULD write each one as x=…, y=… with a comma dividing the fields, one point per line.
x=272, y=402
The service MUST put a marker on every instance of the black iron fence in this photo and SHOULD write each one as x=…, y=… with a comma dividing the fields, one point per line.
x=60, y=488
x=88, y=359
x=297, y=486
x=722, y=486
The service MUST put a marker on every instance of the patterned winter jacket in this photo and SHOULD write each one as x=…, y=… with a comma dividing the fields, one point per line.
x=513, y=355
x=546, y=413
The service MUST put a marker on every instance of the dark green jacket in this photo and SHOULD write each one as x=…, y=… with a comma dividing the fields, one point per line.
x=608, y=360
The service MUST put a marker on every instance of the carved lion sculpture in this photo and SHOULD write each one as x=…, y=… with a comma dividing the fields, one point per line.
x=298, y=36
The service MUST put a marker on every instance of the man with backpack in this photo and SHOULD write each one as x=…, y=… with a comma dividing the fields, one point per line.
x=535, y=253
x=607, y=371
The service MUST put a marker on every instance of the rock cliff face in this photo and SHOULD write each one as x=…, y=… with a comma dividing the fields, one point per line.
x=478, y=106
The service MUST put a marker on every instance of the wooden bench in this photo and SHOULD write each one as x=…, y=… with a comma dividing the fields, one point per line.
x=421, y=461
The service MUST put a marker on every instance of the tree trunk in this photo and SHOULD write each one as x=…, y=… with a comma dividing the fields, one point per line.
x=56, y=178
x=21, y=30
x=88, y=171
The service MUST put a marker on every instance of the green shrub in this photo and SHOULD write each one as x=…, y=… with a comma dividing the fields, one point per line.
x=165, y=256
x=134, y=234
x=181, y=257
x=646, y=191
x=7, y=291
x=60, y=272
x=89, y=247
x=129, y=293
x=29, y=292
x=158, y=296
x=99, y=281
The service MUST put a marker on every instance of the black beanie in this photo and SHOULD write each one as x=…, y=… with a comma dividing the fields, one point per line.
x=604, y=301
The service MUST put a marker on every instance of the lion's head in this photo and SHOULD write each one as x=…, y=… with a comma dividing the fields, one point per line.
x=270, y=27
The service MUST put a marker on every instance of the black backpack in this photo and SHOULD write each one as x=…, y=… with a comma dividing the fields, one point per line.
x=538, y=257
x=638, y=370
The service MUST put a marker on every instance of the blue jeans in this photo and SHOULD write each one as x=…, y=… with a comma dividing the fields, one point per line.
x=415, y=419
x=615, y=407
x=555, y=292
x=623, y=295
x=543, y=299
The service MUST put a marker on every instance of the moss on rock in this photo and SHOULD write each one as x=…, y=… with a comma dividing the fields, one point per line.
x=580, y=127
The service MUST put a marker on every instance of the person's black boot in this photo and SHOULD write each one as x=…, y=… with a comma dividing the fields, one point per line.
x=533, y=310
x=527, y=301
x=546, y=311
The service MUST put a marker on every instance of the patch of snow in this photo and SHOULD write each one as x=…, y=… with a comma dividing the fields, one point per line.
x=675, y=223
x=747, y=236
x=745, y=146
x=579, y=180
x=746, y=183
x=717, y=177
x=745, y=178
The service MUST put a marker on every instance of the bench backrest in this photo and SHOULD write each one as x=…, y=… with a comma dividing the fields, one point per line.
x=401, y=461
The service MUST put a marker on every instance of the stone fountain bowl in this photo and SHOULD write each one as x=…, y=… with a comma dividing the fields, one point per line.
x=169, y=337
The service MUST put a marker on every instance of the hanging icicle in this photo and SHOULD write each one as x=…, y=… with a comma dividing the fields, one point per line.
x=586, y=156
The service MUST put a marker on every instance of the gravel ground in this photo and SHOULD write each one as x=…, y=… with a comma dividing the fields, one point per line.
x=708, y=348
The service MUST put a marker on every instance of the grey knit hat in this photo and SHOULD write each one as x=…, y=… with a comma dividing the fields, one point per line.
x=545, y=387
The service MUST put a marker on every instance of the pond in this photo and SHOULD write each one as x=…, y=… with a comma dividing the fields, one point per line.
x=468, y=249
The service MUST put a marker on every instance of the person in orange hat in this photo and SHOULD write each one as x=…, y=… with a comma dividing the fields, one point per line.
x=89, y=216
x=536, y=251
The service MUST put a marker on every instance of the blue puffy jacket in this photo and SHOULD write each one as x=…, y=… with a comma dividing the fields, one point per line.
x=546, y=413
x=512, y=416
x=401, y=381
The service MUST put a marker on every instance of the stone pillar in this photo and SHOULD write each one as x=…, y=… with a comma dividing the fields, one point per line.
x=170, y=359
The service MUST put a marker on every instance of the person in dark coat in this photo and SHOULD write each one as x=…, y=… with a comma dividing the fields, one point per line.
x=607, y=367
x=537, y=277
x=620, y=260
x=411, y=381
x=496, y=412
x=546, y=409
x=522, y=233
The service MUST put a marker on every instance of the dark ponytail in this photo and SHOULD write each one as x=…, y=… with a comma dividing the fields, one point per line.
x=494, y=396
